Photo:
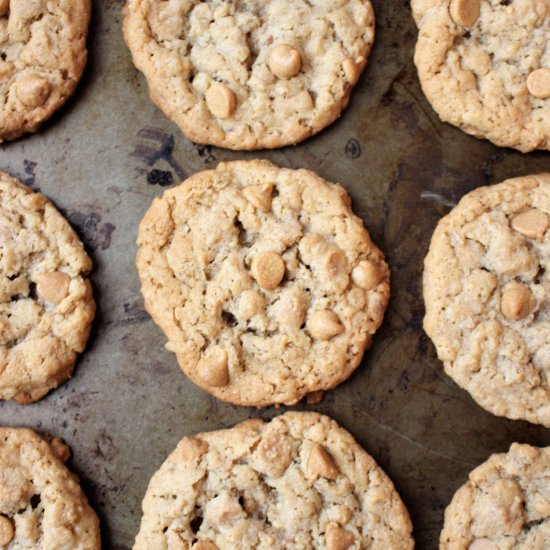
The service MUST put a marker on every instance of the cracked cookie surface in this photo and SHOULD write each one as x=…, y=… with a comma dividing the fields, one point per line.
x=250, y=75
x=266, y=284
x=41, y=503
x=487, y=296
x=46, y=304
x=42, y=56
x=484, y=65
x=299, y=481
x=504, y=505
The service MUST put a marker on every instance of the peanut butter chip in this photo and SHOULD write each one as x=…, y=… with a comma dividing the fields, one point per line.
x=465, y=12
x=337, y=538
x=285, y=61
x=320, y=463
x=4, y=7
x=532, y=223
x=483, y=544
x=7, y=531
x=175, y=542
x=52, y=287
x=517, y=301
x=324, y=325
x=268, y=268
x=221, y=100
x=366, y=275
x=60, y=450
x=259, y=196
x=351, y=69
x=538, y=83
x=213, y=371
x=275, y=452
x=33, y=90
x=204, y=545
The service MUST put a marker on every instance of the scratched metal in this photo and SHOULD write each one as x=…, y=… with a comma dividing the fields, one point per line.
x=110, y=151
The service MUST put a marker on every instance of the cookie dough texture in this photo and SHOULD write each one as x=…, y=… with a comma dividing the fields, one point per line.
x=504, y=505
x=484, y=65
x=46, y=304
x=299, y=481
x=250, y=75
x=266, y=284
x=487, y=295
x=42, y=56
x=41, y=503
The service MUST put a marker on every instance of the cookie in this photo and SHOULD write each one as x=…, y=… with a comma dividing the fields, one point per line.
x=250, y=75
x=266, y=284
x=42, y=56
x=299, y=481
x=484, y=66
x=487, y=295
x=503, y=505
x=41, y=503
x=46, y=304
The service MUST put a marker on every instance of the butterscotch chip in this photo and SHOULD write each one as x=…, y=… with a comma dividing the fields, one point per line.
x=533, y=223
x=481, y=65
x=257, y=260
x=367, y=275
x=486, y=288
x=283, y=60
x=232, y=500
x=324, y=325
x=320, y=463
x=517, y=301
x=538, y=83
x=260, y=196
x=53, y=286
x=213, y=371
x=43, y=47
x=503, y=504
x=46, y=304
x=268, y=269
x=7, y=530
x=40, y=498
x=338, y=538
x=221, y=100
x=465, y=12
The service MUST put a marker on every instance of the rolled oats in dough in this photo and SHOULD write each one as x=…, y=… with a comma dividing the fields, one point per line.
x=505, y=505
x=250, y=75
x=484, y=65
x=41, y=504
x=46, y=304
x=42, y=56
x=487, y=295
x=266, y=284
x=299, y=481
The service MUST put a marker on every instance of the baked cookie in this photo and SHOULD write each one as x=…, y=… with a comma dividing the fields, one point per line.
x=299, y=481
x=504, y=505
x=41, y=503
x=266, y=284
x=250, y=75
x=46, y=304
x=42, y=56
x=487, y=295
x=484, y=65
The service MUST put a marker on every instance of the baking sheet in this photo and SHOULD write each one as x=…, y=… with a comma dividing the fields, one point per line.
x=110, y=151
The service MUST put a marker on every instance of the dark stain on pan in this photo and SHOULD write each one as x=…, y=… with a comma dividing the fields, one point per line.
x=30, y=173
x=353, y=149
x=205, y=152
x=88, y=222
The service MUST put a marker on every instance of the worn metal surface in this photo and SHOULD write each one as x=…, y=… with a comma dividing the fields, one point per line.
x=109, y=151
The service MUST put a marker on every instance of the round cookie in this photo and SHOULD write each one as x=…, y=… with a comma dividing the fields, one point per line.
x=484, y=65
x=42, y=56
x=266, y=284
x=487, y=295
x=250, y=75
x=299, y=481
x=46, y=304
x=41, y=503
x=503, y=505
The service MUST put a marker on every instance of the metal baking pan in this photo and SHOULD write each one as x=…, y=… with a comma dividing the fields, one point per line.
x=109, y=151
